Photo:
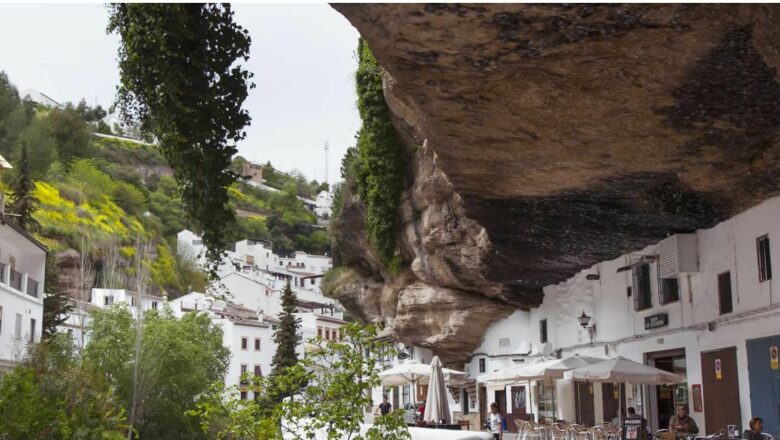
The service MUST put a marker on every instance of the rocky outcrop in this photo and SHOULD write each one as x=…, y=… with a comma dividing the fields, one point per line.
x=557, y=136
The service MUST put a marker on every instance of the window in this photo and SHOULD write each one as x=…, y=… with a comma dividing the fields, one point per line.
x=244, y=343
x=482, y=365
x=32, y=330
x=319, y=332
x=132, y=301
x=258, y=372
x=724, y=293
x=642, y=299
x=668, y=290
x=327, y=334
x=154, y=305
x=465, y=406
x=108, y=300
x=257, y=344
x=764, y=261
x=406, y=394
x=18, y=327
x=543, y=331
x=244, y=395
x=242, y=378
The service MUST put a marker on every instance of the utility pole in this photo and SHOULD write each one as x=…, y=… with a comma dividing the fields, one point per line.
x=327, y=147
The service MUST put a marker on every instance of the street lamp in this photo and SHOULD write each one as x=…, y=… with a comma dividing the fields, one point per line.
x=584, y=320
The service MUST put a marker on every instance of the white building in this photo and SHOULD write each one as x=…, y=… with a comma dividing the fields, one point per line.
x=702, y=305
x=324, y=204
x=22, y=271
x=247, y=333
x=136, y=301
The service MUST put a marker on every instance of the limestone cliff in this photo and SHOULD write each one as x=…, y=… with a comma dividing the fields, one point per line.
x=545, y=138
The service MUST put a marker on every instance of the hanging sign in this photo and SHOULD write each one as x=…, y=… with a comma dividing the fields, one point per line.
x=696, y=391
x=718, y=370
x=773, y=357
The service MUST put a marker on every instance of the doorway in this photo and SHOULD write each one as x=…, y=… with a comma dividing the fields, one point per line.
x=500, y=396
x=609, y=400
x=764, y=378
x=583, y=399
x=666, y=398
x=518, y=406
x=721, y=389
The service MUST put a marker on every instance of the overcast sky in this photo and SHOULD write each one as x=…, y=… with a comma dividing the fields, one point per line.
x=302, y=57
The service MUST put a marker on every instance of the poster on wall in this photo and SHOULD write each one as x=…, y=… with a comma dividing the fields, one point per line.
x=633, y=428
x=773, y=361
x=696, y=391
x=718, y=370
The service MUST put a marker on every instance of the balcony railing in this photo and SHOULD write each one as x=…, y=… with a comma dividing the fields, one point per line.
x=16, y=280
x=19, y=281
x=32, y=287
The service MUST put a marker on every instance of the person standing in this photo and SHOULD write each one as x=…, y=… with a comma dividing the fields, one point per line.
x=682, y=424
x=756, y=429
x=385, y=407
x=495, y=422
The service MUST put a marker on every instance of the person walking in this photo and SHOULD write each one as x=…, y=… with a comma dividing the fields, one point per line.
x=495, y=422
x=756, y=429
x=682, y=424
x=385, y=407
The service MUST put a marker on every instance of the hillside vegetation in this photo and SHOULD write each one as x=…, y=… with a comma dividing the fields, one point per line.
x=109, y=197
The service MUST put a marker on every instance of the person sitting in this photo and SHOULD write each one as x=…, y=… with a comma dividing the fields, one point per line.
x=682, y=424
x=616, y=420
x=756, y=429
x=634, y=416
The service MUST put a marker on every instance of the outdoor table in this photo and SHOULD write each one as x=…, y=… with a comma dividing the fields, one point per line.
x=448, y=426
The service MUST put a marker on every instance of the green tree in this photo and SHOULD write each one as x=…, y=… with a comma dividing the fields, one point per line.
x=287, y=337
x=192, y=53
x=56, y=307
x=23, y=202
x=71, y=133
x=339, y=377
x=39, y=139
x=179, y=360
x=50, y=395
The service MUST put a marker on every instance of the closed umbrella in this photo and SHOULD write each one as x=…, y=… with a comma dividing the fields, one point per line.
x=437, y=409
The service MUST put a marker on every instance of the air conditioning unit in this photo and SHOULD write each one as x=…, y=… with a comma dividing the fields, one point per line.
x=679, y=253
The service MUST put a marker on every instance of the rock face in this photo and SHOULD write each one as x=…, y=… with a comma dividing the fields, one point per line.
x=557, y=136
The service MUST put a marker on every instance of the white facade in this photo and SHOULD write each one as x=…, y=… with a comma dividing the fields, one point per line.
x=723, y=301
x=143, y=302
x=248, y=335
x=22, y=271
x=324, y=204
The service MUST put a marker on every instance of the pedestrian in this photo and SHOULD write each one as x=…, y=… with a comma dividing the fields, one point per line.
x=616, y=420
x=632, y=415
x=682, y=424
x=756, y=429
x=421, y=410
x=385, y=407
x=495, y=422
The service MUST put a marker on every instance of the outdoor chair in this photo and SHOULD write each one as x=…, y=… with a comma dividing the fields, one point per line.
x=534, y=433
x=464, y=423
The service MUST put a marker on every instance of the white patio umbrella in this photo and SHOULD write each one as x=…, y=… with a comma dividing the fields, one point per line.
x=436, y=406
x=623, y=370
x=415, y=372
x=549, y=369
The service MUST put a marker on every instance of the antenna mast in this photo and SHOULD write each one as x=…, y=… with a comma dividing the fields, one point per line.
x=327, y=147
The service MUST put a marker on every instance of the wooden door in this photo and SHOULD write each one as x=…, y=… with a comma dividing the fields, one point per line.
x=518, y=409
x=583, y=398
x=720, y=386
x=501, y=401
x=482, y=405
x=609, y=400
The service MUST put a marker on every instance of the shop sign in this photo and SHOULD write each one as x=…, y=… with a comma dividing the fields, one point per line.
x=696, y=390
x=773, y=357
x=633, y=429
x=718, y=370
x=655, y=321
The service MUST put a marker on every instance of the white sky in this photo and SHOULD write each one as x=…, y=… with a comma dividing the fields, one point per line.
x=302, y=57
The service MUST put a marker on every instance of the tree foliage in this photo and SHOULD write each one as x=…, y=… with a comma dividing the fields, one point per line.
x=23, y=202
x=339, y=377
x=179, y=360
x=287, y=337
x=180, y=79
x=380, y=163
x=52, y=396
